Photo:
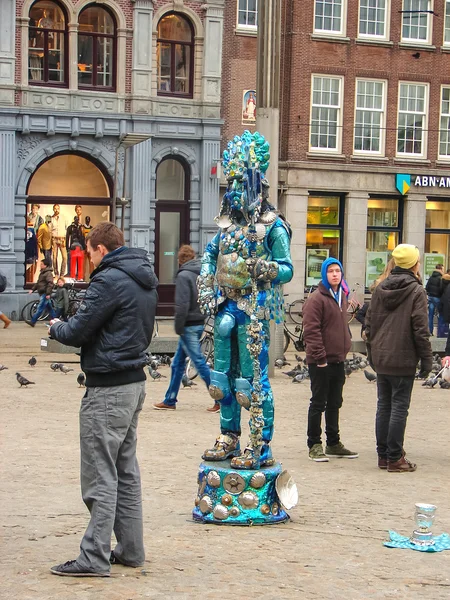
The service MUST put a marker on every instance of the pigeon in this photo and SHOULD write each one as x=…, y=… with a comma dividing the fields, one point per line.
x=298, y=378
x=295, y=371
x=81, y=380
x=369, y=376
x=187, y=382
x=3, y=368
x=23, y=380
x=348, y=370
x=32, y=362
x=281, y=362
x=445, y=385
x=155, y=375
x=430, y=382
x=65, y=369
x=55, y=366
x=298, y=358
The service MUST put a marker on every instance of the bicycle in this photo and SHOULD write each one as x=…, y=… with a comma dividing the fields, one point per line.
x=206, y=348
x=75, y=298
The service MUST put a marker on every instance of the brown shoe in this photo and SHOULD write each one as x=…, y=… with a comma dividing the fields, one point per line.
x=215, y=408
x=382, y=462
x=402, y=465
x=162, y=406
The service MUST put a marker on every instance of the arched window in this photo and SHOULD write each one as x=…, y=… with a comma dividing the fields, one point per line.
x=96, y=49
x=175, y=56
x=47, y=44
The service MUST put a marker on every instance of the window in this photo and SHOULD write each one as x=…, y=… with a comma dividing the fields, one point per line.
x=447, y=23
x=323, y=233
x=369, y=116
x=437, y=229
x=47, y=44
x=175, y=56
x=96, y=49
x=326, y=113
x=384, y=219
x=373, y=15
x=329, y=16
x=444, y=132
x=247, y=14
x=412, y=119
x=416, y=21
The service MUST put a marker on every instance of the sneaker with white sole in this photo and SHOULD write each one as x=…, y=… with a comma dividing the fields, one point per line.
x=316, y=453
x=339, y=451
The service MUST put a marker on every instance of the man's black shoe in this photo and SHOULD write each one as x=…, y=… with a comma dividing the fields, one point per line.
x=116, y=561
x=72, y=569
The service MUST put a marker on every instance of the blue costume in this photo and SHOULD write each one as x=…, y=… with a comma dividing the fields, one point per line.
x=243, y=268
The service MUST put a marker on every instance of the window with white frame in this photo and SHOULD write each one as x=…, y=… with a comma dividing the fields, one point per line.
x=444, y=130
x=412, y=119
x=329, y=16
x=447, y=23
x=247, y=14
x=373, y=15
x=416, y=21
x=369, y=116
x=326, y=113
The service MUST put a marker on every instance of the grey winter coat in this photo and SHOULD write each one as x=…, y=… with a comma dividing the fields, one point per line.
x=187, y=311
x=114, y=323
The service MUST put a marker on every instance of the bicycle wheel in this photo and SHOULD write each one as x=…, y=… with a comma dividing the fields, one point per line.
x=74, y=305
x=207, y=349
x=29, y=310
x=295, y=311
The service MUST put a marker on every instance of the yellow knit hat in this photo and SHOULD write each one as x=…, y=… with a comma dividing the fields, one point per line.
x=406, y=256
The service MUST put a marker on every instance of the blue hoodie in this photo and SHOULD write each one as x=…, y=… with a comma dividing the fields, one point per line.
x=323, y=272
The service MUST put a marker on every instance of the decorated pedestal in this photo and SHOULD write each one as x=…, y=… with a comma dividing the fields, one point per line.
x=236, y=497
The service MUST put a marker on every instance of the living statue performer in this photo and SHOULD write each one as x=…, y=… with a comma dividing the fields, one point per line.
x=243, y=269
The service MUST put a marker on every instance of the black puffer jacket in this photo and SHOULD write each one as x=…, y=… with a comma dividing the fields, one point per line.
x=434, y=285
x=187, y=311
x=114, y=323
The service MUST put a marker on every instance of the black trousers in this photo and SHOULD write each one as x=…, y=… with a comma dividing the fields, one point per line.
x=326, y=387
x=394, y=398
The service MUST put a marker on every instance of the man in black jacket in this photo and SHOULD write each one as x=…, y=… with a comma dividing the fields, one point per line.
x=189, y=326
x=113, y=327
x=434, y=291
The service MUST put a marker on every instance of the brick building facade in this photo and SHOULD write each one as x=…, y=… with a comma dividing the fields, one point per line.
x=364, y=128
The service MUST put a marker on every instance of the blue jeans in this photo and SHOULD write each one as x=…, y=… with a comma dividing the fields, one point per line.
x=433, y=308
x=43, y=303
x=188, y=345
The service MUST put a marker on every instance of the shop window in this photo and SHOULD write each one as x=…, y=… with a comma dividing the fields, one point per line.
x=330, y=16
x=373, y=19
x=384, y=218
x=416, y=21
x=96, y=49
x=369, y=116
x=326, y=113
x=67, y=196
x=412, y=119
x=247, y=14
x=47, y=44
x=175, y=56
x=323, y=233
x=437, y=231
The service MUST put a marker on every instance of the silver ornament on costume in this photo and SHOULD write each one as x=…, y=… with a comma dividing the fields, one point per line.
x=227, y=499
x=234, y=511
x=220, y=512
x=260, y=231
x=234, y=483
x=275, y=508
x=258, y=480
x=213, y=479
x=265, y=509
x=286, y=490
x=205, y=505
x=248, y=500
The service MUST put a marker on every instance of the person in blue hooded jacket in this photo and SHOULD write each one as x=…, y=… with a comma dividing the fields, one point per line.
x=327, y=340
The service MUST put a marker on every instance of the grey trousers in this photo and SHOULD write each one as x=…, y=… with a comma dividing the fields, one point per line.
x=110, y=477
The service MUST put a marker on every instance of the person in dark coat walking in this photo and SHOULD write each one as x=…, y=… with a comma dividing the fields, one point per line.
x=434, y=291
x=44, y=287
x=327, y=339
x=189, y=322
x=397, y=338
x=113, y=327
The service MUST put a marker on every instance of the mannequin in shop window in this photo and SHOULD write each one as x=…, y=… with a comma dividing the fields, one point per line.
x=88, y=264
x=59, y=228
x=75, y=242
x=34, y=217
x=31, y=252
x=44, y=238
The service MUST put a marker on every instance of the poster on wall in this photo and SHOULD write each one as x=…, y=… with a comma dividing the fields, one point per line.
x=429, y=264
x=314, y=260
x=375, y=264
x=249, y=107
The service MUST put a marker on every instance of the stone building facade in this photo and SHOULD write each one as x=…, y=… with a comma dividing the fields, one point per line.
x=364, y=129
x=115, y=99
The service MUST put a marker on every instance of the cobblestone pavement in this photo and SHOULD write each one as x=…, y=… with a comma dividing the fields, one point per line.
x=331, y=549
